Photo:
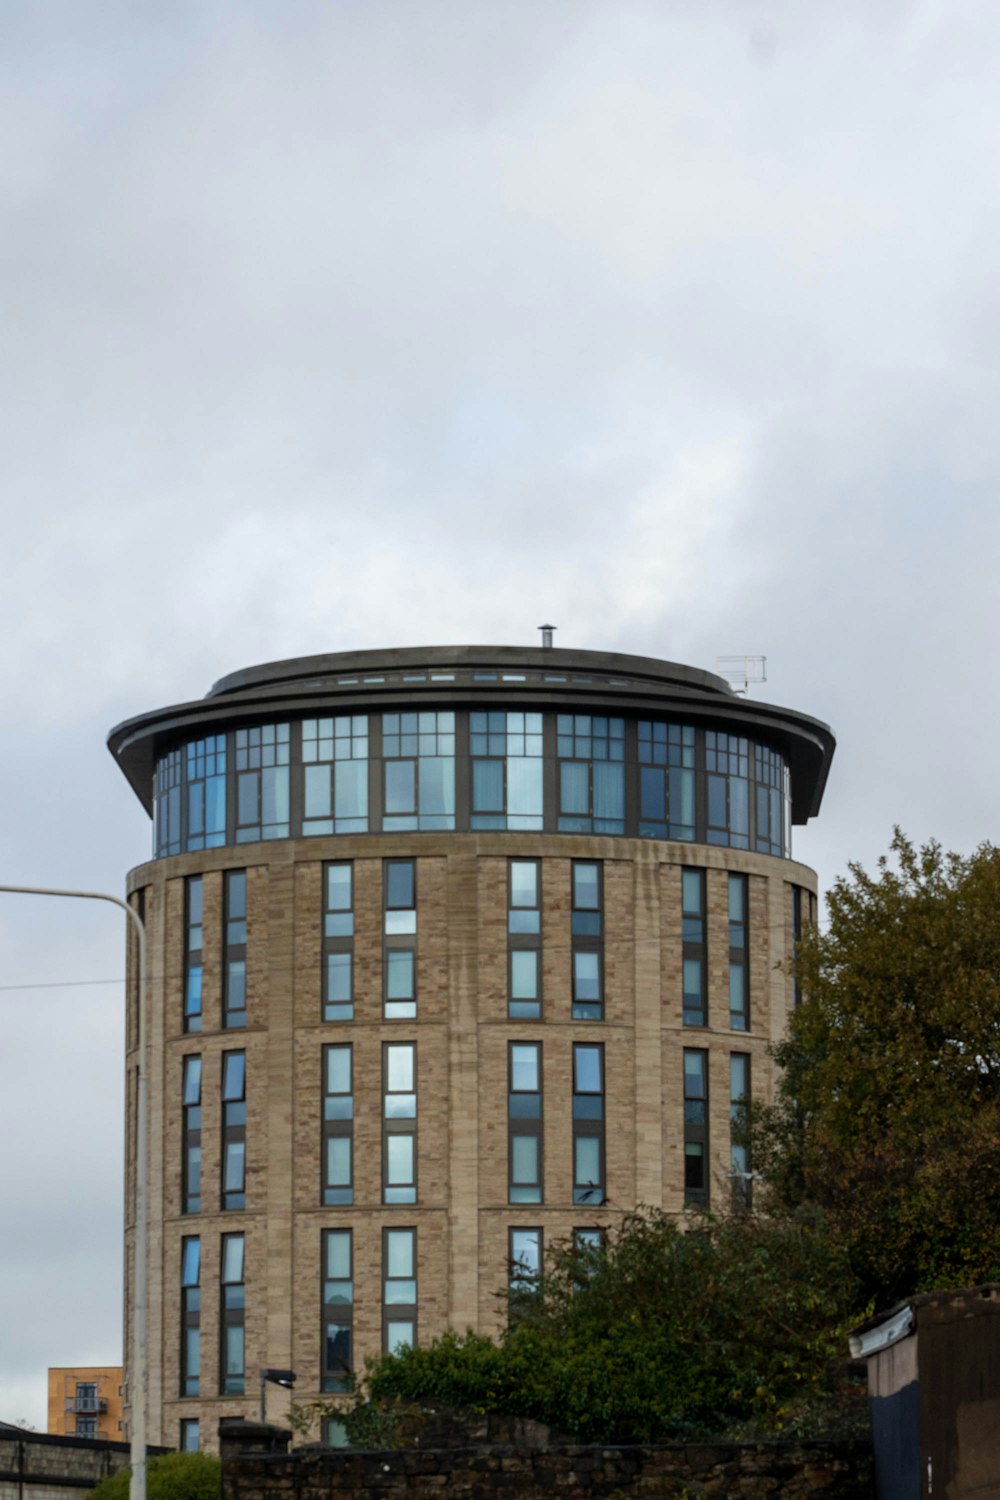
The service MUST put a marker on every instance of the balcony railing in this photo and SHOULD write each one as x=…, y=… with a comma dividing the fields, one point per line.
x=86, y=1403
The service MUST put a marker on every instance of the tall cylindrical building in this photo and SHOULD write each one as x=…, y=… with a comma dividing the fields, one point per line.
x=452, y=952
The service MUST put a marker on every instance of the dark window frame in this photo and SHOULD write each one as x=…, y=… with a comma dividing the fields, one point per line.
x=696, y=1128
x=521, y=1008
x=191, y=1086
x=589, y=1124
x=193, y=1018
x=694, y=948
x=586, y=938
x=232, y=1316
x=336, y=1313
x=392, y=1311
x=525, y=1121
x=739, y=950
x=339, y=925
x=234, y=1132
x=234, y=957
x=400, y=941
x=338, y=1124
x=190, y=1319
x=399, y=1192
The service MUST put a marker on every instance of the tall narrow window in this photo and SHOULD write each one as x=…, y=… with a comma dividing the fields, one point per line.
x=771, y=801
x=588, y=1124
x=693, y=938
x=739, y=983
x=335, y=775
x=262, y=756
x=400, y=943
x=399, y=1123
x=338, y=1310
x=232, y=1317
x=206, y=792
x=524, y=939
x=727, y=773
x=666, y=780
x=739, y=1104
x=524, y=1259
x=695, y=1126
x=193, y=953
x=338, y=943
x=399, y=1289
x=591, y=752
x=167, y=833
x=191, y=1143
x=234, y=984
x=418, y=754
x=190, y=1315
x=524, y=1123
x=588, y=941
x=506, y=752
x=190, y=1436
x=234, y=1129
x=338, y=1126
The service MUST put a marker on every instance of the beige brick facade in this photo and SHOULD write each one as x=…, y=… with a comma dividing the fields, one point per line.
x=462, y=1215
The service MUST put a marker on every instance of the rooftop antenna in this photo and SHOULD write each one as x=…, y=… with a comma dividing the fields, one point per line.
x=547, y=635
x=741, y=671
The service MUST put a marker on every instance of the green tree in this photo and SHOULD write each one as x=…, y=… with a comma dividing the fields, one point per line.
x=888, y=1110
x=737, y=1325
x=171, y=1476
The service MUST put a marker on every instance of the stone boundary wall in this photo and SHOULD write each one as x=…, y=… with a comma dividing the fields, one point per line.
x=36, y=1464
x=838, y=1470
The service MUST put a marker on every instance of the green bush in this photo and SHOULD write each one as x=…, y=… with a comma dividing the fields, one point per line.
x=171, y=1476
x=736, y=1325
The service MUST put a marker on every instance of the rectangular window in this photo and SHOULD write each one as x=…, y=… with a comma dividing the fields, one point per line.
x=524, y=939
x=338, y=1125
x=797, y=903
x=234, y=984
x=588, y=1124
x=338, y=1310
x=727, y=784
x=694, y=957
x=739, y=970
x=771, y=797
x=193, y=953
x=338, y=943
x=190, y=1315
x=262, y=756
x=418, y=764
x=591, y=750
x=190, y=1435
x=206, y=792
x=399, y=1122
x=167, y=835
x=524, y=1123
x=506, y=753
x=399, y=949
x=234, y=1130
x=86, y=1427
x=739, y=1104
x=399, y=1289
x=524, y=1259
x=666, y=780
x=232, y=1358
x=695, y=1126
x=191, y=1137
x=335, y=775
x=587, y=928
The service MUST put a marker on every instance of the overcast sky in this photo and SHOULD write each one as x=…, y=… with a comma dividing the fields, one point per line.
x=338, y=323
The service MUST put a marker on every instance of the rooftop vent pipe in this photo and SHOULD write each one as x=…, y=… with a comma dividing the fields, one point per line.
x=547, y=635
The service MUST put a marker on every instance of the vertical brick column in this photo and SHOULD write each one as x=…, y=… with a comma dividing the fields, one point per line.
x=463, y=1091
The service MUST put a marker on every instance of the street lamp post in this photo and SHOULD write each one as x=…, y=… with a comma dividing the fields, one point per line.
x=137, y=1393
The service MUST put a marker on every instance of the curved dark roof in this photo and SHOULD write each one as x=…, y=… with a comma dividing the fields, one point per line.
x=531, y=677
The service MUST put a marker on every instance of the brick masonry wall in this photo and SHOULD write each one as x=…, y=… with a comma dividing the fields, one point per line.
x=462, y=1035
x=723, y=1471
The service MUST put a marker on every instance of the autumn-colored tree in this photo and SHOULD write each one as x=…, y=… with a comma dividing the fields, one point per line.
x=888, y=1112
